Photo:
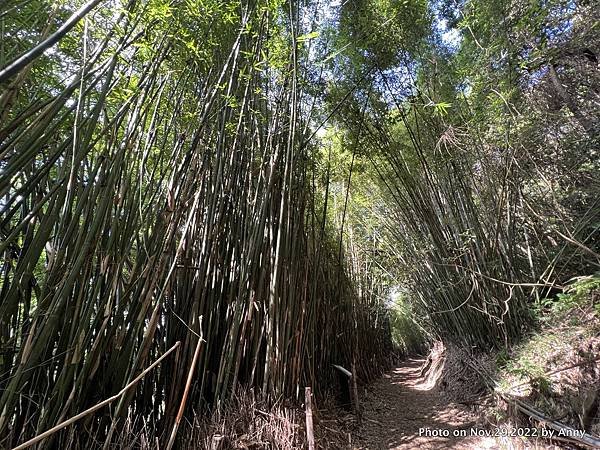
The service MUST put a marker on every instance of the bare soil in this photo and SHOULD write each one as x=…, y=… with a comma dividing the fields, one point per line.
x=398, y=408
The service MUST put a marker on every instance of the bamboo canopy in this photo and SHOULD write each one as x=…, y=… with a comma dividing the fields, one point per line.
x=205, y=197
x=155, y=192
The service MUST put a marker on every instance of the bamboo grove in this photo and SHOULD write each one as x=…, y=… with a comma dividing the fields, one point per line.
x=476, y=126
x=199, y=196
x=156, y=188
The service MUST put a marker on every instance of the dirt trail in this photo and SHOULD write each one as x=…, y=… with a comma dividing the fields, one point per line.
x=401, y=403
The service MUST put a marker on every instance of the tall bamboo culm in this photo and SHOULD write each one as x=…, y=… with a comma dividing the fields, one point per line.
x=154, y=189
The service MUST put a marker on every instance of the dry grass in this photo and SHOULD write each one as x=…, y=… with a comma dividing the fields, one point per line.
x=246, y=422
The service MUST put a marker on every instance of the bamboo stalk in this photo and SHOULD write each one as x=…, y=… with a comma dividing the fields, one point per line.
x=188, y=383
x=88, y=411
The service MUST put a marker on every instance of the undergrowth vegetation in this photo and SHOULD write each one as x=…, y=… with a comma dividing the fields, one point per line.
x=555, y=367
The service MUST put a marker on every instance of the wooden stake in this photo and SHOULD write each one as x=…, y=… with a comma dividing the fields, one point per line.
x=310, y=436
x=216, y=442
x=355, y=393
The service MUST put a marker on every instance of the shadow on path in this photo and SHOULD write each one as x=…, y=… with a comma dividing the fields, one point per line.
x=401, y=412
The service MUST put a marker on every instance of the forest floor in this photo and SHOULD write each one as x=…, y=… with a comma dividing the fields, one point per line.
x=401, y=411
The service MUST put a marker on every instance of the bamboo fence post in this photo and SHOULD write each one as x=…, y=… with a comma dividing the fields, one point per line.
x=310, y=436
x=355, y=392
x=216, y=442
